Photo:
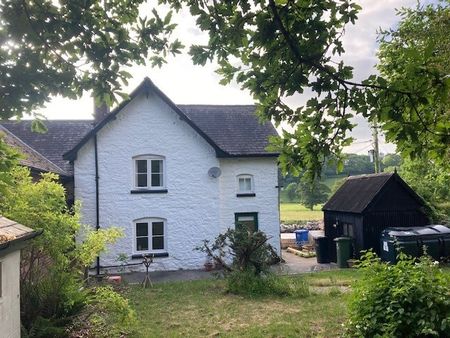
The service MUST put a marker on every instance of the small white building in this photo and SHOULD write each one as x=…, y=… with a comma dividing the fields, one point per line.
x=169, y=175
x=12, y=239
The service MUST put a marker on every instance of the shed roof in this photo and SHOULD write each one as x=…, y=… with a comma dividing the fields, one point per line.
x=11, y=232
x=358, y=192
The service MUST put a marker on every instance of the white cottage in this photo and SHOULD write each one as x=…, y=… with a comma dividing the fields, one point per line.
x=169, y=175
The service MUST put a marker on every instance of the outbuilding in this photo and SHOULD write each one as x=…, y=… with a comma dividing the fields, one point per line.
x=367, y=204
x=12, y=238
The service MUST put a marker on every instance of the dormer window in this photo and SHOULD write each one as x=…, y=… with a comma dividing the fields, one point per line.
x=149, y=172
x=245, y=186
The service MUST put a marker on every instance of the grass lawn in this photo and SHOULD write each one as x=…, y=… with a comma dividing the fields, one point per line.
x=204, y=309
x=297, y=212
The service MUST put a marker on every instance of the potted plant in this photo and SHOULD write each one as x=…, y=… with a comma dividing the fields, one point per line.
x=209, y=265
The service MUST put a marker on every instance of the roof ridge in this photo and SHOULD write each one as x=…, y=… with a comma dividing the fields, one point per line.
x=146, y=85
x=215, y=105
x=369, y=175
x=47, y=120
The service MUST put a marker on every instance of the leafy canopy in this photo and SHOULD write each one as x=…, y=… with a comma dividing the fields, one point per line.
x=71, y=46
x=278, y=48
x=273, y=48
x=415, y=58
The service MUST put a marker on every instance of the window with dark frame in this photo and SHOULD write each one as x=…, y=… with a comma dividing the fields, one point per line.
x=150, y=235
x=149, y=173
x=247, y=219
x=142, y=236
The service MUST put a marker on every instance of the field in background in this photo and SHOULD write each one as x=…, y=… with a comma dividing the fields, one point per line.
x=297, y=212
x=329, y=182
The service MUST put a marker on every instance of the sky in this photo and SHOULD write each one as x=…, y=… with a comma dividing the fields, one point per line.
x=185, y=83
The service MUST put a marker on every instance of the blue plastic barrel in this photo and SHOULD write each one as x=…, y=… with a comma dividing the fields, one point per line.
x=301, y=236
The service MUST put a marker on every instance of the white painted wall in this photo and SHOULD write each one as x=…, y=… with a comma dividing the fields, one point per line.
x=265, y=203
x=196, y=206
x=10, y=295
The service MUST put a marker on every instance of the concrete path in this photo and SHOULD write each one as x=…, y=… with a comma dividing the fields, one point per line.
x=293, y=265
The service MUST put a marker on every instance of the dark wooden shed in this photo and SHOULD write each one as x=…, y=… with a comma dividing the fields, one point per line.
x=367, y=204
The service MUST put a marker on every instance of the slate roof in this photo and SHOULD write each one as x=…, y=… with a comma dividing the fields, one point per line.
x=210, y=122
x=357, y=192
x=62, y=135
x=31, y=157
x=232, y=130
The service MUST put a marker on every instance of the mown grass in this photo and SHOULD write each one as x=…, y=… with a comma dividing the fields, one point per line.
x=297, y=212
x=204, y=308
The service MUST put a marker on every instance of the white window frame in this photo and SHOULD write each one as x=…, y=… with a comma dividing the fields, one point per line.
x=149, y=221
x=252, y=184
x=149, y=158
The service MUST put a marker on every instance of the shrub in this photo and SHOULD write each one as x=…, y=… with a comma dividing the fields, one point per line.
x=52, y=264
x=409, y=299
x=248, y=250
x=248, y=271
x=48, y=304
x=107, y=314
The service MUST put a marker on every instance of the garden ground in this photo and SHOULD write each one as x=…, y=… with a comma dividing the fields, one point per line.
x=203, y=308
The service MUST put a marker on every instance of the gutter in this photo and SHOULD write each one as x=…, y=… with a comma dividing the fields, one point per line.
x=18, y=240
x=97, y=205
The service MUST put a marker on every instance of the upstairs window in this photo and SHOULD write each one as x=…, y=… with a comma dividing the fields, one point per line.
x=150, y=235
x=245, y=185
x=149, y=172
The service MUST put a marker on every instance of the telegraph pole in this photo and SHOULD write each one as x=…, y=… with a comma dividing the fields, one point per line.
x=376, y=149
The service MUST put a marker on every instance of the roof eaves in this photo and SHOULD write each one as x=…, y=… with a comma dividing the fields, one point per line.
x=250, y=155
x=14, y=242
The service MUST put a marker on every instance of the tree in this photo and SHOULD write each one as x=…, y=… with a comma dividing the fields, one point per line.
x=9, y=158
x=52, y=265
x=432, y=182
x=312, y=193
x=415, y=58
x=392, y=160
x=291, y=191
x=70, y=47
x=277, y=48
